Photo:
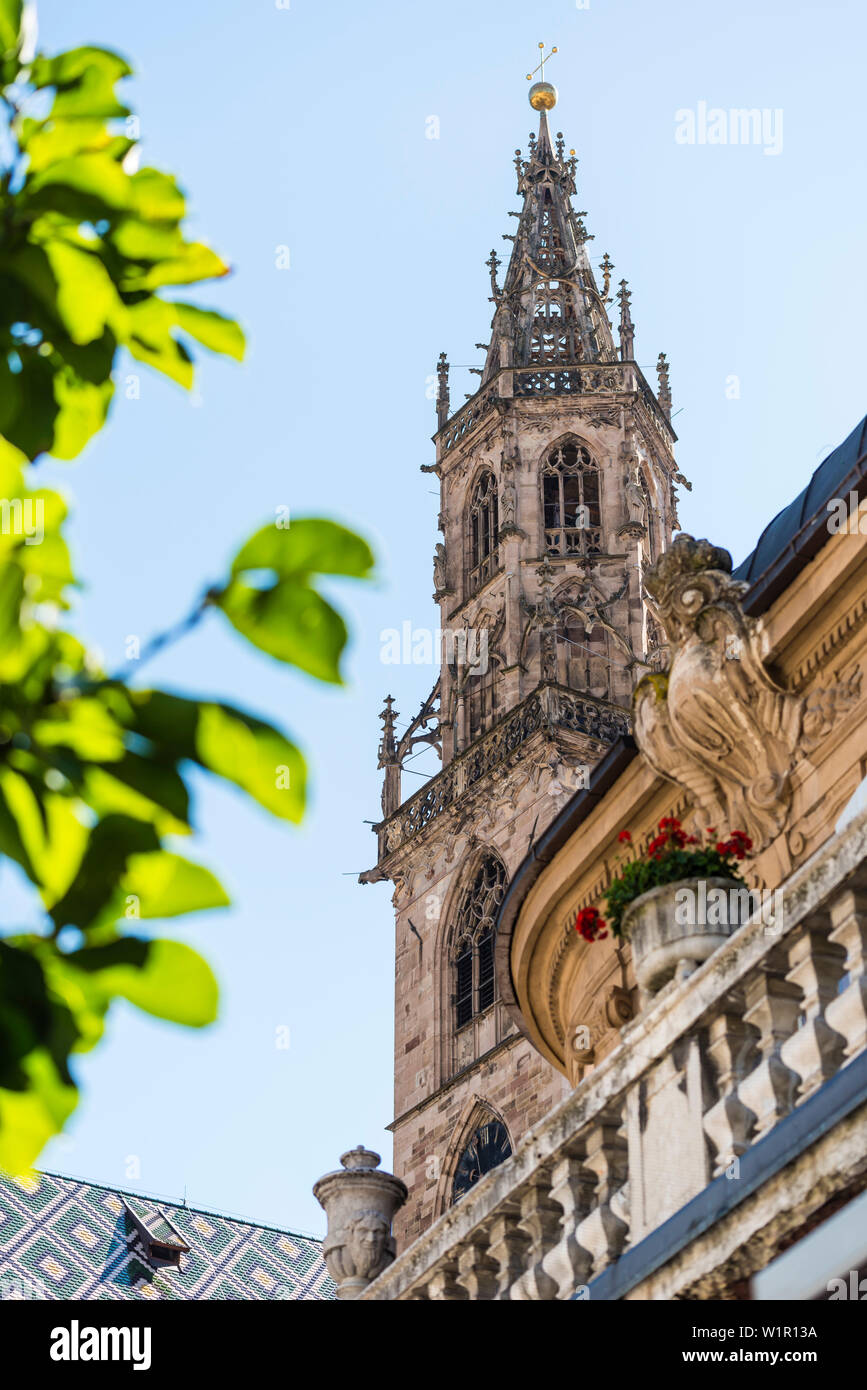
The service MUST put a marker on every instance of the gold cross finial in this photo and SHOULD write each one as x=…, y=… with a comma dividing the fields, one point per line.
x=540, y=67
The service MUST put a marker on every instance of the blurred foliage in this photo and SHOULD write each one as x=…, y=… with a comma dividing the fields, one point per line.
x=92, y=771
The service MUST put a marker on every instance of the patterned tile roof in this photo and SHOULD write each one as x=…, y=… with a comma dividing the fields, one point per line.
x=65, y=1239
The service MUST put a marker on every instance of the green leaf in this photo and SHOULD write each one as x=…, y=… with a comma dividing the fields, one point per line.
x=164, y=978
x=33, y=1111
x=112, y=841
x=10, y=25
x=289, y=622
x=151, y=341
x=46, y=142
x=285, y=616
x=84, y=78
x=145, y=241
x=84, y=726
x=228, y=742
x=194, y=261
x=212, y=330
x=100, y=184
x=308, y=546
x=82, y=411
x=167, y=885
x=155, y=196
x=22, y=833
x=255, y=757
x=87, y=301
x=141, y=787
x=67, y=68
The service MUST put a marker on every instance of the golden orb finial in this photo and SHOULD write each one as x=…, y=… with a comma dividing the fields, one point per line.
x=543, y=96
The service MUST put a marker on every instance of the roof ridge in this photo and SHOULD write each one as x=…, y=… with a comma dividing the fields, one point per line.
x=179, y=1206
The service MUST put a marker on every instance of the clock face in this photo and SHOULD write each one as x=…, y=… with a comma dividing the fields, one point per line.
x=488, y=1148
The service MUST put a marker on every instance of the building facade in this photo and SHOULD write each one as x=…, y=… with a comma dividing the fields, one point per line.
x=714, y=1144
x=557, y=483
x=678, y=1112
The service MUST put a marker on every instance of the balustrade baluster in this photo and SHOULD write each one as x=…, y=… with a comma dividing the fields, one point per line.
x=602, y=1233
x=848, y=1012
x=772, y=1007
x=477, y=1270
x=540, y=1220
x=508, y=1246
x=731, y=1050
x=815, y=1050
x=572, y=1185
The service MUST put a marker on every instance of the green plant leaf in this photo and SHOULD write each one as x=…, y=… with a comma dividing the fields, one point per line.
x=155, y=196
x=167, y=885
x=255, y=757
x=308, y=546
x=103, y=866
x=290, y=622
x=284, y=615
x=193, y=261
x=87, y=301
x=82, y=410
x=92, y=185
x=228, y=742
x=211, y=329
x=151, y=341
x=84, y=79
x=164, y=978
x=33, y=1111
x=10, y=26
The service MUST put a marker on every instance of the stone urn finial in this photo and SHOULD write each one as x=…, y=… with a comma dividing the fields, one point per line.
x=359, y=1201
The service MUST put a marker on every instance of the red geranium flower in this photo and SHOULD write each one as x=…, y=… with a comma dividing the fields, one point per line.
x=625, y=837
x=590, y=924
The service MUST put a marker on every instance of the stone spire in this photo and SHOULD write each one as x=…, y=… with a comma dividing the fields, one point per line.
x=627, y=327
x=442, y=389
x=664, y=392
x=550, y=311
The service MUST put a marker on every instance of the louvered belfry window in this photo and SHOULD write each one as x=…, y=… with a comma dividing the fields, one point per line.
x=473, y=952
x=570, y=500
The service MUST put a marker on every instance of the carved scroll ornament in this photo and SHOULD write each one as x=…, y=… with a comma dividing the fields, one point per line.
x=716, y=722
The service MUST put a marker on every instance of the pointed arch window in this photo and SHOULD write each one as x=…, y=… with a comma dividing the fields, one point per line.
x=570, y=501
x=473, y=951
x=483, y=526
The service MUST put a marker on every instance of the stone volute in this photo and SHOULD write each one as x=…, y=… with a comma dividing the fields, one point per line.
x=359, y=1201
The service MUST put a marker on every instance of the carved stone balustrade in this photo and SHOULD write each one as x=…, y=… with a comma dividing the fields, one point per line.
x=609, y=381
x=549, y=709
x=716, y=1064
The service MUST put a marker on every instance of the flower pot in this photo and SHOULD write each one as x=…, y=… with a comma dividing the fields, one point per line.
x=679, y=925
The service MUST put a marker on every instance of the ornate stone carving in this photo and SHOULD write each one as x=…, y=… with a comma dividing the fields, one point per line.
x=439, y=569
x=359, y=1202
x=635, y=499
x=715, y=722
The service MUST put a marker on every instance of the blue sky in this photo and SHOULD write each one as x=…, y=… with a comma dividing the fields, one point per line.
x=306, y=127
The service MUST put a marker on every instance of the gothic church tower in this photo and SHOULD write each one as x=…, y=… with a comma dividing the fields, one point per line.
x=557, y=490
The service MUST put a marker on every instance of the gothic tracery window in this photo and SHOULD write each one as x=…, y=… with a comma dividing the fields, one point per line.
x=483, y=524
x=570, y=500
x=473, y=948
